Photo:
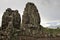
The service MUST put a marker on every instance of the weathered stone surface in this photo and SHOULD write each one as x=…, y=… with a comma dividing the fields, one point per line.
x=7, y=16
x=30, y=28
x=10, y=25
x=16, y=19
x=31, y=20
x=30, y=14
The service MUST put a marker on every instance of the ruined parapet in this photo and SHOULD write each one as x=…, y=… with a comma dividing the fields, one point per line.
x=31, y=20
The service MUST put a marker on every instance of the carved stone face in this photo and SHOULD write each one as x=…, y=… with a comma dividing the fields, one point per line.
x=11, y=15
x=31, y=15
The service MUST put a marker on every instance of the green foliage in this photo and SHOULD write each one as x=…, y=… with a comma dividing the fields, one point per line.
x=52, y=31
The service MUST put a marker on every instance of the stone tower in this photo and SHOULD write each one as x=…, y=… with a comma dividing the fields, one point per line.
x=30, y=14
x=10, y=25
x=16, y=18
x=31, y=20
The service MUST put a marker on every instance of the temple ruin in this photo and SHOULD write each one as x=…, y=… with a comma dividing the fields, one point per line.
x=29, y=29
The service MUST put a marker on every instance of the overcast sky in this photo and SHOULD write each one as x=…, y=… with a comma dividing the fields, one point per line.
x=49, y=9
